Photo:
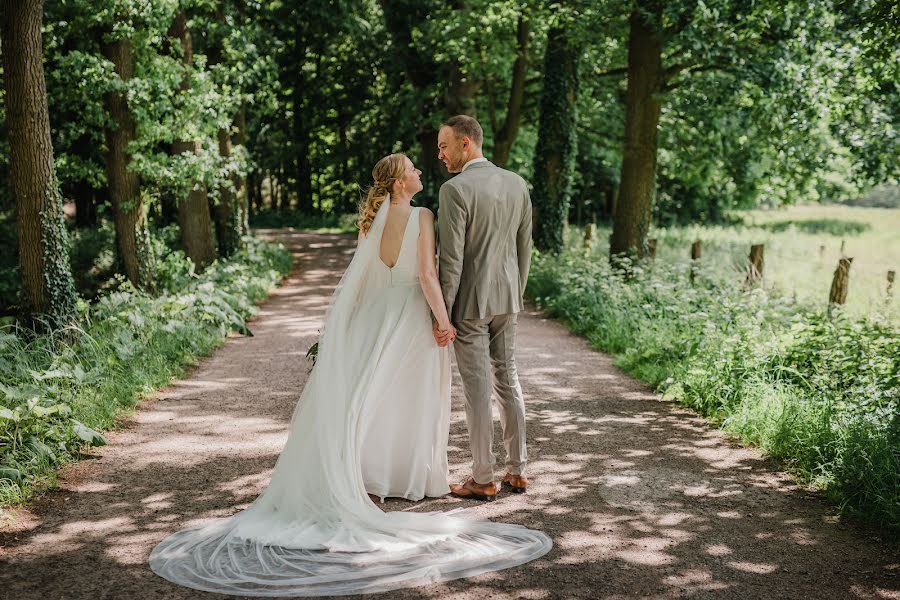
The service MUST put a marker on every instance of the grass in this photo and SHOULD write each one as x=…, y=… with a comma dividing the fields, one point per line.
x=802, y=248
x=58, y=392
x=769, y=365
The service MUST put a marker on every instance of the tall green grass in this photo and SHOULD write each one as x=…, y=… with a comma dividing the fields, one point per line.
x=57, y=392
x=802, y=248
x=820, y=393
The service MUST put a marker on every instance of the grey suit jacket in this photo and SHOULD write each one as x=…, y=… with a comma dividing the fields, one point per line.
x=484, y=232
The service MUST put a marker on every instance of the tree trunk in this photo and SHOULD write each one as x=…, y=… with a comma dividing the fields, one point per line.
x=230, y=212
x=193, y=210
x=554, y=156
x=638, y=178
x=227, y=211
x=284, y=198
x=240, y=183
x=402, y=17
x=83, y=193
x=506, y=135
x=254, y=190
x=132, y=237
x=302, y=142
x=43, y=244
x=461, y=91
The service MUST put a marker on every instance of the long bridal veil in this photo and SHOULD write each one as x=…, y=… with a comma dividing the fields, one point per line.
x=314, y=531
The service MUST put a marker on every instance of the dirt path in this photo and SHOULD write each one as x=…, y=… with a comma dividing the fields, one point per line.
x=642, y=498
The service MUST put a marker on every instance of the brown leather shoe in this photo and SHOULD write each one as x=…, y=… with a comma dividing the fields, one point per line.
x=517, y=483
x=475, y=491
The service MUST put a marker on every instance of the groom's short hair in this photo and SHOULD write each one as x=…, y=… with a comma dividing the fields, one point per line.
x=464, y=125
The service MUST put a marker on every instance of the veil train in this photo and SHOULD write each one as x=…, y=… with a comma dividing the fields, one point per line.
x=314, y=531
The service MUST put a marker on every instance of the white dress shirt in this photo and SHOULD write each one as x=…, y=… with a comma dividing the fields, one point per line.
x=473, y=161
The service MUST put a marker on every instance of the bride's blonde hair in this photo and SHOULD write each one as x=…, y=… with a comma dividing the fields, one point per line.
x=386, y=171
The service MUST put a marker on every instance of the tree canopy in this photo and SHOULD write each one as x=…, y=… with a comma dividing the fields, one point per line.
x=674, y=112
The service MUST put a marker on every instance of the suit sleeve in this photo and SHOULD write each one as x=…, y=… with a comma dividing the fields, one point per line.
x=523, y=243
x=452, y=217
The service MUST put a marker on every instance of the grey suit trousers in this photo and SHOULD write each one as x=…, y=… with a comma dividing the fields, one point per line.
x=485, y=355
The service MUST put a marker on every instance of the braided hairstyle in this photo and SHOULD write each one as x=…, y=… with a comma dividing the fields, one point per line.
x=386, y=171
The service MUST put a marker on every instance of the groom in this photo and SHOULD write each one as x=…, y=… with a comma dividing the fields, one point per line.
x=484, y=226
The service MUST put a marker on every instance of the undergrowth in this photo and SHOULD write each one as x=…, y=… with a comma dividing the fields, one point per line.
x=59, y=391
x=819, y=393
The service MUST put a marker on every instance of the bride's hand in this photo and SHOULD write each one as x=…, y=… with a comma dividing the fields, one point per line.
x=452, y=332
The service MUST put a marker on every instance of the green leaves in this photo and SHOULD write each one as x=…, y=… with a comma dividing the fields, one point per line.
x=10, y=473
x=88, y=435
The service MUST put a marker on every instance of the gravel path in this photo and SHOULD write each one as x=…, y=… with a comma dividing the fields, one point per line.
x=642, y=498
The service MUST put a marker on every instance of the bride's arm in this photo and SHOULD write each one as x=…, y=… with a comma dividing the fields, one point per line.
x=428, y=276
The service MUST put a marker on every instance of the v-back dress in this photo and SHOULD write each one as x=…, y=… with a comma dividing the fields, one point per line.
x=405, y=446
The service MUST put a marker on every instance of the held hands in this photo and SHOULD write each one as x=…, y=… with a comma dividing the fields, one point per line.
x=444, y=335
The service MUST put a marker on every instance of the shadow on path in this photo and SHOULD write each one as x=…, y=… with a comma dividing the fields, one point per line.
x=642, y=498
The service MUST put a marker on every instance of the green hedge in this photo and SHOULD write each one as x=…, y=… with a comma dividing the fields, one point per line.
x=57, y=392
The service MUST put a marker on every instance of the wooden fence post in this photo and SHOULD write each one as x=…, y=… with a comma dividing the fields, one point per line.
x=890, y=286
x=589, y=231
x=755, y=271
x=696, y=252
x=651, y=248
x=839, y=284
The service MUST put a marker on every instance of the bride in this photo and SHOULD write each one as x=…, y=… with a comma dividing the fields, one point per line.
x=373, y=417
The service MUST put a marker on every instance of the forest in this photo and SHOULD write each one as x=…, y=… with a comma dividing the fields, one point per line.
x=142, y=141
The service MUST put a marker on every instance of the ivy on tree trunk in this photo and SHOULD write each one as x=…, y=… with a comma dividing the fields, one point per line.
x=47, y=283
x=554, y=156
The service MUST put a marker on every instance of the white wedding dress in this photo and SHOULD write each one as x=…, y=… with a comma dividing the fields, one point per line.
x=372, y=397
x=405, y=441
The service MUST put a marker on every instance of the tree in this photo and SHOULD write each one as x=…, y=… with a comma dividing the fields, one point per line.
x=419, y=68
x=76, y=77
x=736, y=94
x=505, y=133
x=43, y=245
x=227, y=214
x=132, y=236
x=554, y=156
x=193, y=209
x=643, y=105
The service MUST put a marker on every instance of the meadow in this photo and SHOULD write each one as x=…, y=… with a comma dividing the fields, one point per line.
x=802, y=248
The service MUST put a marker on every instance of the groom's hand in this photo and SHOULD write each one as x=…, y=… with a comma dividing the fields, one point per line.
x=443, y=336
